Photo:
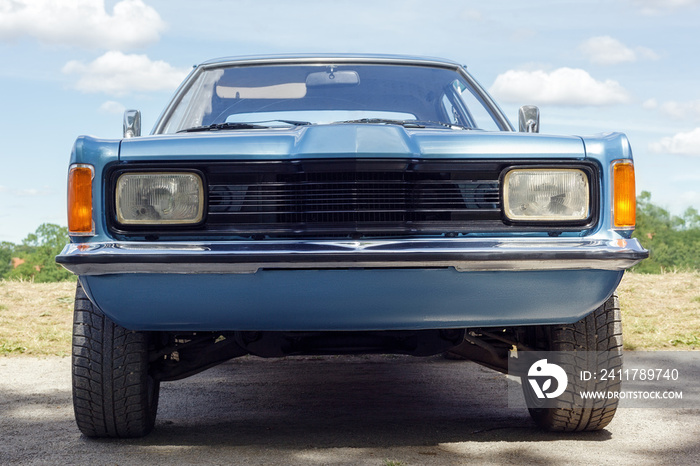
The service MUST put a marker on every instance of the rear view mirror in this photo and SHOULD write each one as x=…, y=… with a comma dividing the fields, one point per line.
x=333, y=78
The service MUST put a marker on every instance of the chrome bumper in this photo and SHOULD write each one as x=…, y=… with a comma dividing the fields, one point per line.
x=247, y=257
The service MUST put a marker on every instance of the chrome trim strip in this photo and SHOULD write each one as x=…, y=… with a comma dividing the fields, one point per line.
x=306, y=59
x=464, y=254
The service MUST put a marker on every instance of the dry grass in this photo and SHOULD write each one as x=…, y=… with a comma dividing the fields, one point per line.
x=36, y=318
x=659, y=312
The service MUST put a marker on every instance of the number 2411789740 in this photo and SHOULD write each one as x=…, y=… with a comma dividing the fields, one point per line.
x=631, y=374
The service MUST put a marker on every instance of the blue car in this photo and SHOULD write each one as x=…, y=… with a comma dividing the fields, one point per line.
x=334, y=204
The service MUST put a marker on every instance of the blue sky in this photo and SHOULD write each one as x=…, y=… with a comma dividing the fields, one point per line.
x=72, y=67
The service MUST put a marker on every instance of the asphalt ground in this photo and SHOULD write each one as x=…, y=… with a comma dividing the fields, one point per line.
x=335, y=410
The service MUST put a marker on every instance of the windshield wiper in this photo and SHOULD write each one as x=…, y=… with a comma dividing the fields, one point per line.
x=440, y=123
x=242, y=125
x=218, y=126
x=405, y=123
x=289, y=122
x=385, y=121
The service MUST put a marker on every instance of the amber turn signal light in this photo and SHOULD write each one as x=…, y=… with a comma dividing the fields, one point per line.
x=80, y=178
x=624, y=195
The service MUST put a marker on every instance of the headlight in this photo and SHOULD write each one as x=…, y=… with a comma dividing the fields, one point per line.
x=546, y=194
x=159, y=198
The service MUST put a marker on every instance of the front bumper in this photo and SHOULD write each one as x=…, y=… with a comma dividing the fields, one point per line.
x=349, y=285
x=246, y=257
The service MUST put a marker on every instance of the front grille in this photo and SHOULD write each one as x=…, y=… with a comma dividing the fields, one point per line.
x=349, y=198
x=346, y=198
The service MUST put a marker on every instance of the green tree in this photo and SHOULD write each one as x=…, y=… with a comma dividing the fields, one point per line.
x=673, y=242
x=39, y=250
x=691, y=219
x=6, y=253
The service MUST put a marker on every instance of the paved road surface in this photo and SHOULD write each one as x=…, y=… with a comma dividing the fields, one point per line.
x=328, y=410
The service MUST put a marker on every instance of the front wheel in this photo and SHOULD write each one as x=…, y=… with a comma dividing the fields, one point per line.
x=598, y=339
x=113, y=393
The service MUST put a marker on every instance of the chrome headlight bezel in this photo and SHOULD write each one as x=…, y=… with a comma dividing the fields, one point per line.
x=127, y=221
x=587, y=218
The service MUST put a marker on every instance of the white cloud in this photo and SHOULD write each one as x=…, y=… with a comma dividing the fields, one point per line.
x=680, y=144
x=681, y=110
x=656, y=7
x=646, y=53
x=650, y=104
x=523, y=35
x=563, y=86
x=83, y=23
x=471, y=15
x=689, y=110
x=116, y=73
x=28, y=192
x=605, y=50
x=31, y=192
x=112, y=107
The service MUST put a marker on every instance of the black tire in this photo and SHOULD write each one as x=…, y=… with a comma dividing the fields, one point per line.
x=113, y=394
x=599, y=335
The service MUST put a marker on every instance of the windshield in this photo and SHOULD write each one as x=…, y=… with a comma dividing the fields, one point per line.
x=274, y=95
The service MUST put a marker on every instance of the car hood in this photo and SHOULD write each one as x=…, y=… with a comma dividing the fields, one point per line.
x=349, y=140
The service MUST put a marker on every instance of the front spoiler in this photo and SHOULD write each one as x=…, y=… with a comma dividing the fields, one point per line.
x=248, y=257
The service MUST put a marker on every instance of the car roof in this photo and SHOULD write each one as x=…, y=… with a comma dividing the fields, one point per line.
x=334, y=58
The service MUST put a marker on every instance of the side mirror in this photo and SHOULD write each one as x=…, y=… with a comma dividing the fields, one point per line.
x=529, y=119
x=132, y=123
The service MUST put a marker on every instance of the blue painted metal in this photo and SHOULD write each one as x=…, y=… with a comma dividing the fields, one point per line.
x=99, y=153
x=349, y=140
x=350, y=299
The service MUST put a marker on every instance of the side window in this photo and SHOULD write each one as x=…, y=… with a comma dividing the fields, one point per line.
x=195, y=104
x=449, y=110
x=481, y=116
